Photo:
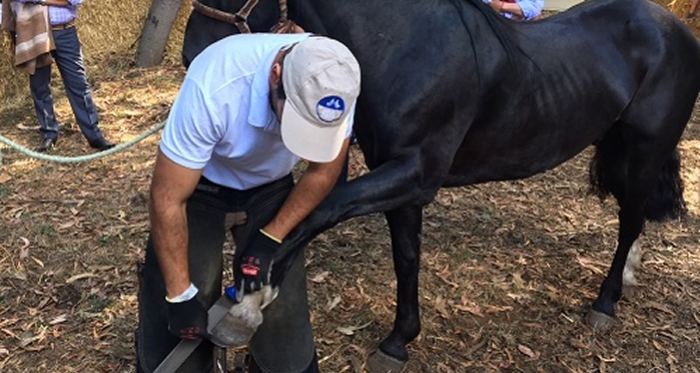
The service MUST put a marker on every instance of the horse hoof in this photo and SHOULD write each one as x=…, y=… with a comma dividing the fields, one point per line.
x=379, y=362
x=599, y=320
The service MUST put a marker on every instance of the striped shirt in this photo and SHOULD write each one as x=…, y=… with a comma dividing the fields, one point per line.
x=59, y=15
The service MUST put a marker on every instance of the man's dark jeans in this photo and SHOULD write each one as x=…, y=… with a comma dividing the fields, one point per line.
x=284, y=341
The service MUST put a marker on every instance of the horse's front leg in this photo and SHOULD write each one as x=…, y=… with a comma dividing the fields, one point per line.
x=391, y=186
x=405, y=224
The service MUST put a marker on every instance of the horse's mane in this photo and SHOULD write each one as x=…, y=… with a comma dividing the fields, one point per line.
x=498, y=24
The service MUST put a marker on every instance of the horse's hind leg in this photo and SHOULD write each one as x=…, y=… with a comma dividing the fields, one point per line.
x=405, y=225
x=634, y=261
x=631, y=217
x=645, y=158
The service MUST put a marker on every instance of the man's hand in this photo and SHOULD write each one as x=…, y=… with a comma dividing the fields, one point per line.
x=188, y=319
x=252, y=272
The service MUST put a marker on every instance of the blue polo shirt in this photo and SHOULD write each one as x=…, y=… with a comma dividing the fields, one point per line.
x=221, y=121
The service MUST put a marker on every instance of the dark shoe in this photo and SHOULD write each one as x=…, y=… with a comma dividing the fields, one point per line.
x=101, y=144
x=46, y=145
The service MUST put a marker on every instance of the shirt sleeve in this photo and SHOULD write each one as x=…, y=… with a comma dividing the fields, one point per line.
x=192, y=128
x=530, y=8
x=351, y=121
x=74, y=3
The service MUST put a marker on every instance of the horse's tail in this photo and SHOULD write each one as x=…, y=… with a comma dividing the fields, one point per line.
x=666, y=202
x=608, y=175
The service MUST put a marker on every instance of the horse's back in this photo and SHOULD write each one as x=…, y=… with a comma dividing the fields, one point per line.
x=646, y=28
x=579, y=72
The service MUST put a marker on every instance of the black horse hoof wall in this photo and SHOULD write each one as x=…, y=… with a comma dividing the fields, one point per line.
x=379, y=362
x=599, y=320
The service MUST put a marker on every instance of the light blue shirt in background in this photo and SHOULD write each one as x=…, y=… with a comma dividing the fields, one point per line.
x=531, y=9
x=59, y=15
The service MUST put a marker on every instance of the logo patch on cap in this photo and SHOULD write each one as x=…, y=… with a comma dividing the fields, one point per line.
x=330, y=108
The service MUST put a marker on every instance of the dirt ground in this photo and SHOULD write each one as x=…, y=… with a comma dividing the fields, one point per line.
x=509, y=269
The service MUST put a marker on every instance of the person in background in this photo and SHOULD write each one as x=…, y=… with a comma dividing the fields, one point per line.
x=69, y=59
x=520, y=10
x=693, y=8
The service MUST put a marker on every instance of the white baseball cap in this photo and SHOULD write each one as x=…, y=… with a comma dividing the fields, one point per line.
x=321, y=80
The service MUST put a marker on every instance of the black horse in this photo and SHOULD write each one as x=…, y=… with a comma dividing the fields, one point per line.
x=453, y=94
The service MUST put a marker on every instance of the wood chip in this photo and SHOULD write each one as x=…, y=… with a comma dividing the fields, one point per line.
x=80, y=277
x=527, y=351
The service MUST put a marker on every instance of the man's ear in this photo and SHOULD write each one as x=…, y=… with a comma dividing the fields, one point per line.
x=275, y=73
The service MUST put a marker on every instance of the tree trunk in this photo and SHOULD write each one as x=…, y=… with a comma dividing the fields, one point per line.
x=154, y=37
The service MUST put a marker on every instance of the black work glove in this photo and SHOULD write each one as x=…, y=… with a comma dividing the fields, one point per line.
x=188, y=319
x=252, y=272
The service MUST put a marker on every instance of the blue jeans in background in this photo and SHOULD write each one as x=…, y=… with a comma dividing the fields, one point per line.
x=69, y=59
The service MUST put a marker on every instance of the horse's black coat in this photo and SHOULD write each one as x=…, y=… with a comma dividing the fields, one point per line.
x=453, y=94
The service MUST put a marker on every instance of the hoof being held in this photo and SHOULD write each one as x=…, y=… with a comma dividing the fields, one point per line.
x=379, y=362
x=599, y=320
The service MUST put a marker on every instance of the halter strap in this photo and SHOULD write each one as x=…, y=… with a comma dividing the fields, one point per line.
x=243, y=14
x=240, y=18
